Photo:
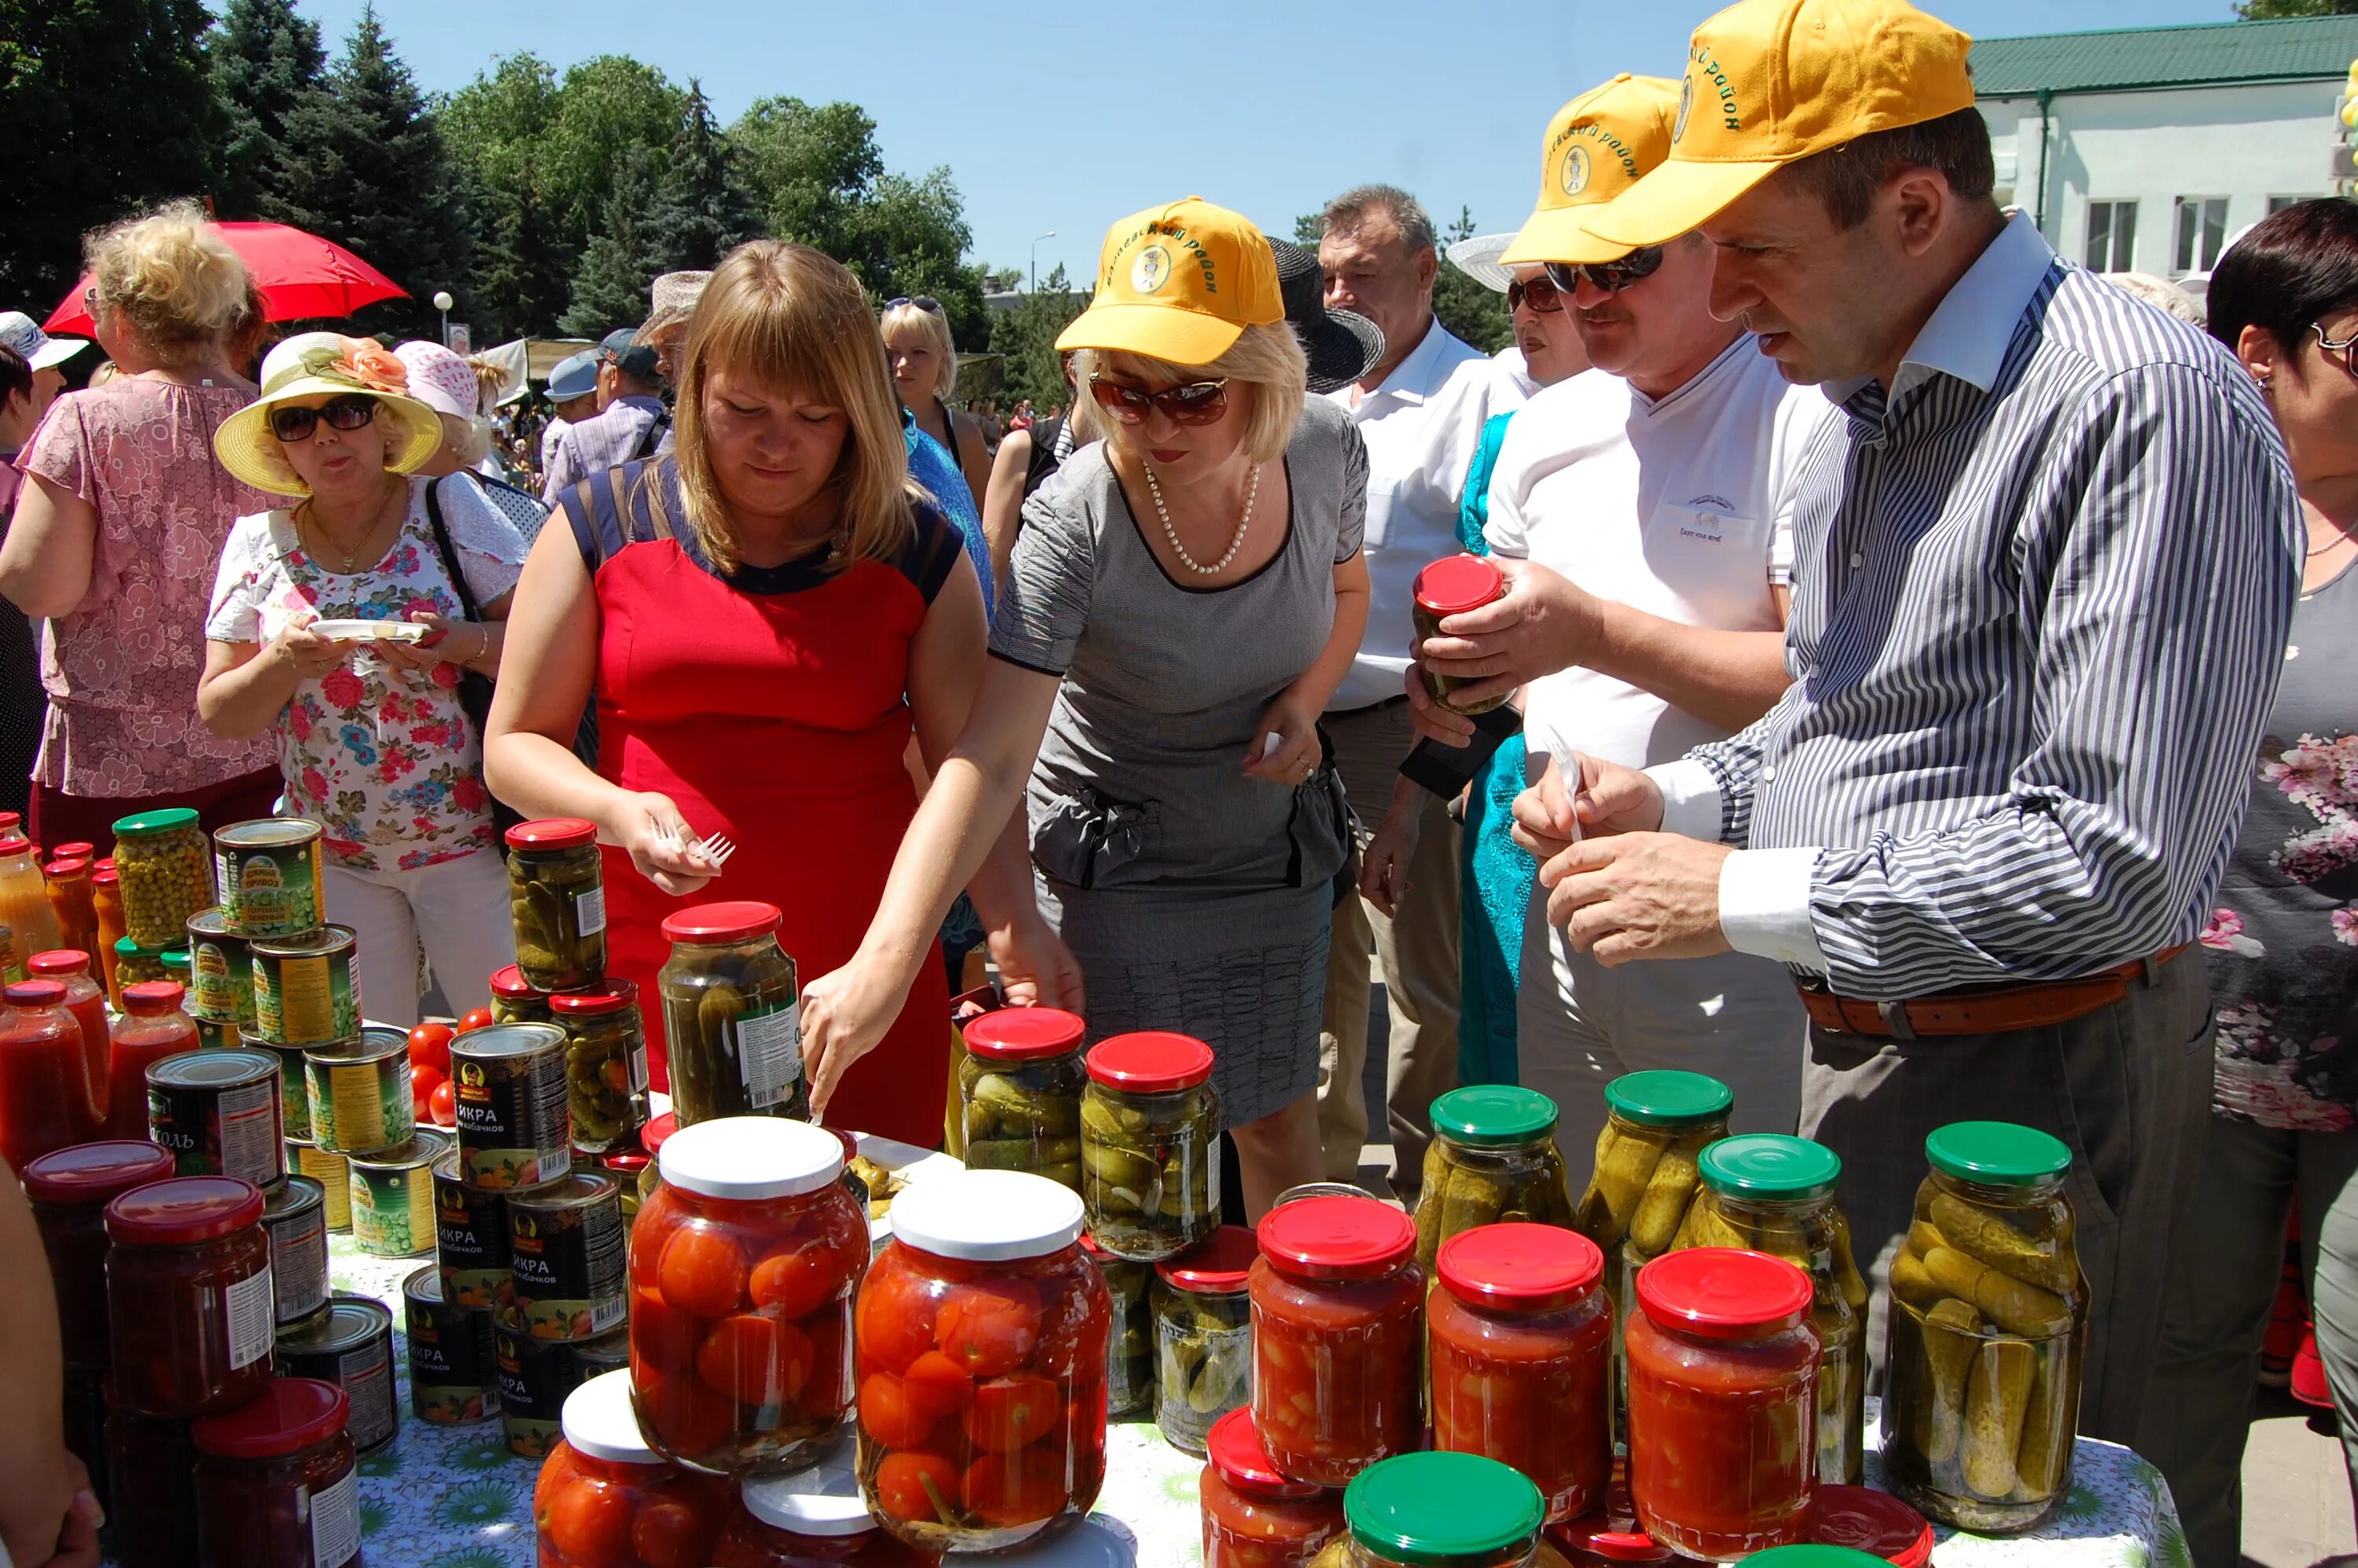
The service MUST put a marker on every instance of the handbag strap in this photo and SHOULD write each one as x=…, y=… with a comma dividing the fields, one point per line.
x=467, y=606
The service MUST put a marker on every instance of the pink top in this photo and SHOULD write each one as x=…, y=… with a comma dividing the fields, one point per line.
x=122, y=670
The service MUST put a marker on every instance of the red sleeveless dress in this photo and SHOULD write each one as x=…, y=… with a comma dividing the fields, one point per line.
x=772, y=706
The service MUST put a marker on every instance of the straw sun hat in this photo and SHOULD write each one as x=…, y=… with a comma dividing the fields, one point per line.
x=308, y=365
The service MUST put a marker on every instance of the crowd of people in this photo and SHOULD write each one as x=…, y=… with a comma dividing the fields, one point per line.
x=1917, y=670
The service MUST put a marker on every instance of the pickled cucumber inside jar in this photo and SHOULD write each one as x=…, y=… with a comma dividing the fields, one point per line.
x=1657, y=1126
x=556, y=897
x=1130, y=1346
x=605, y=1064
x=1019, y=1083
x=1149, y=1145
x=1202, y=1324
x=1493, y=1158
x=732, y=1021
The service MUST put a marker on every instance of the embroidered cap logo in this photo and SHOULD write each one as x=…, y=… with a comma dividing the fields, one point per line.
x=1686, y=103
x=1151, y=271
x=1575, y=171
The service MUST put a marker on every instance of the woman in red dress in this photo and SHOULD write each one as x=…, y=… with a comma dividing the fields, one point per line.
x=764, y=616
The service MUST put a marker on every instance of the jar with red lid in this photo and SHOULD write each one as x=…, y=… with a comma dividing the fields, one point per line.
x=154, y=1461
x=47, y=1098
x=1877, y=1523
x=152, y=1027
x=515, y=999
x=813, y=1518
x=605, y=1064
x=70, y=1190
x=1723, y=1402
x=86, y=999
x=1609, y=1533
x=605, y=1500
x=1452, y=586
x=731, y=1015
x=1253, y=1517
x=556, y=894
x=1202, y=1335
x=982, y=1364
x=1130, y=1344
x=189, y=1296
x=1338, y=1337
x=275, y=1481
x=1019, y=1083
x=1150, y=1145
x=743, y=1267
x=1522, y=1357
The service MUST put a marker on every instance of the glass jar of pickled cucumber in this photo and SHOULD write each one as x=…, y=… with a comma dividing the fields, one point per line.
x=557, y=898
x=1203, y=1334
x=1019, y=1083
x=1989, y=1326
x=1150, y=1145
x=1439, y=1511
x=605, y=1064
x=1493, y=1158
x=514, y=1000
x=1130, y=1346
x=1451, y=586
x=732, y=1018
x=1773, y=1193
x=167, y=871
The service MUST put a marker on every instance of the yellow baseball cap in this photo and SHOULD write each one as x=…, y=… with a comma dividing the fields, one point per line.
x=1596, y=147
x=1770, y=81
x=1179, y=283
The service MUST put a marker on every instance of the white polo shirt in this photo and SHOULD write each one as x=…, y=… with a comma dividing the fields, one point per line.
x=1677, y=506
x=1422, y=427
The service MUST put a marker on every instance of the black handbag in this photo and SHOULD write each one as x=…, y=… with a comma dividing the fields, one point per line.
x=474, y=688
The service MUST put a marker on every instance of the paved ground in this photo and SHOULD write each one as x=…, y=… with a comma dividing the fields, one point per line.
x=2296, y=1494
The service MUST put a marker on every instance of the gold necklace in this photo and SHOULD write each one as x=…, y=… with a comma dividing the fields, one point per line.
x=351, y=562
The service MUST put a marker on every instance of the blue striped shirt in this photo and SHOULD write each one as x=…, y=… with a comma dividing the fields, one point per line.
x=2040, y=599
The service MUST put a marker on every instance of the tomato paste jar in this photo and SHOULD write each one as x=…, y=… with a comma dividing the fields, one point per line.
x=1253, y=1517
x=1520, y=1333
x=982, y=1364
x=812, y=1519
x=70, y=1190
x=1440, y=1510
x=1203, y=1331
x=106, y=902
x=743, y=1266
x=1338, y=1331
x=275, y=1481
x=189, y=1295
x=1723, y=1402
x=605, y=1500
x=86, y=999
x=45, y=1099
x=152, y=1027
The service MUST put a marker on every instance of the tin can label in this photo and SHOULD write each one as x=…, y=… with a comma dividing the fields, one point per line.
x=515, y=1129
x=269, y=891
x=306, y=1000
x=359, y=1105
x=392, y=1210
x=569, y=1267
x=231, y=1132
x=454, y=1375
x=299, y=1263
x=331, y=1172
x=220, y=981
x=534, y=1378
x=471, y=1243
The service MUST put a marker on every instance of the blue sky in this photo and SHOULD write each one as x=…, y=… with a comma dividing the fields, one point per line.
x=1067, y=118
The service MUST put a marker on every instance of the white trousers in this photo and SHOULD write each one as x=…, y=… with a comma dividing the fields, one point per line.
x=457, y=909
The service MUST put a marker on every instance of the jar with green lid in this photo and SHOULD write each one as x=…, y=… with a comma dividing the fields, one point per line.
x=732, y=1015
x=1657, y=1125
x=1988, y=1332
x=1019, y=1083
x=557, y=895
x=1202, y=1335
x=135, y=965
x=1437, y=1510
x=1150, y=1145
x=1493, y=1158
x=177, y=965
x=167, y=870
x=514, y=1000
x=1768, y=1193
x=605, y=1064
x=1130, y=1346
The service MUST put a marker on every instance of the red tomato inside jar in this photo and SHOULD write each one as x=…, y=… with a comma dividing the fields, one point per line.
x=812, y=1519
x=743, y=1267
x=1253, y=1517
x=605, y=1500
x=982, y=1364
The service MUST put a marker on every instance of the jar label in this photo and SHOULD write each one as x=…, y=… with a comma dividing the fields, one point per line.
x=639, y=1066
x=366, y=1375
x=249, y=1307
x=336, y=1521
x=590, y=911
x=770, y=1054
x=298, y=1262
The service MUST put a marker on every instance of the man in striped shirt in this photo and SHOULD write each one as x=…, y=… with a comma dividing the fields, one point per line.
x=2043, y=573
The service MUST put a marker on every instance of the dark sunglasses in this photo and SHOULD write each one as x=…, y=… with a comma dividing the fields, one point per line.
x=1540, y=293
x=1611, y=276
x=296, y=423
x=925, y=302
x=1196, y=403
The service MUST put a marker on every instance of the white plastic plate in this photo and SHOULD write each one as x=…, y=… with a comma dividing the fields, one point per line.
x=371, y=630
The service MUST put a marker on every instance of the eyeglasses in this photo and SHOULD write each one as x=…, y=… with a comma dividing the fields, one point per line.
x=1194, y=403
x=1611, y=276
x=294, y=422
x=925, y=302
x=2330, y=347
x=1539, y=293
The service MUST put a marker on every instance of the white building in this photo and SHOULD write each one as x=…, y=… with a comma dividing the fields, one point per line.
x=2146, y=148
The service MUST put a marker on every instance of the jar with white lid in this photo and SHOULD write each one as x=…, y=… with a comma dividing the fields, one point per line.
x=812, y=1519
x=605, y=1500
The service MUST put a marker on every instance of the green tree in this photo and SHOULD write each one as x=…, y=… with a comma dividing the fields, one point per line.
x=702, y=210
x=266, y=62
x=520, y=273
x=105, y=106
x=2269, y=10
x=610, y=288
x=1475, y=313
x=1025, y=340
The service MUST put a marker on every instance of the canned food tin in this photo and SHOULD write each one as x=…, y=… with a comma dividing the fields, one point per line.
x=358, y=1091
x=536, y=1374
x=514, y=1127
x=294, y=1095
x=220, y=971
x=471, y=1237
x=393, y=1197
x=212, y=1037
x=304, y=1158
x=565, y=1246
x=454, y=1370
x=268, y=876
x=349, y=1346
x=297, y=1221
x=306, y=988
x=217, y=1112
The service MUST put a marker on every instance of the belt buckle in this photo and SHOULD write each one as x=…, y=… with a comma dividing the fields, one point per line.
x=1895, y=1019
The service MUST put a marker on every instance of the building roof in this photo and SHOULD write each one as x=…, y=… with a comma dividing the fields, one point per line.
x=2300, y=48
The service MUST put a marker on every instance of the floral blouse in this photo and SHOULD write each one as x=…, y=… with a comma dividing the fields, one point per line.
x=384, y=758
x=2284, y=941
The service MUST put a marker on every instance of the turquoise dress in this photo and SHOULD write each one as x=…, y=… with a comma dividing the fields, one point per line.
x=1496, y=873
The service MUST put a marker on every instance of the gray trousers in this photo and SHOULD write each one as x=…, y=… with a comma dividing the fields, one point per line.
x=2127, y=1087
x=2222, y=1282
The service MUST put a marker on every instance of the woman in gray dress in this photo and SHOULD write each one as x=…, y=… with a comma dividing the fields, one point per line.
x=1183, y=599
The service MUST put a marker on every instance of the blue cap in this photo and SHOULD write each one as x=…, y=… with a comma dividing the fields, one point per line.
x=575, y=375
x=622, y=350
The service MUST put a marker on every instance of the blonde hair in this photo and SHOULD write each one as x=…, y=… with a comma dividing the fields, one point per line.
x=936, y=329
x=1266, y=360
x=468, y=440
x=795, y=323
x=173, y=278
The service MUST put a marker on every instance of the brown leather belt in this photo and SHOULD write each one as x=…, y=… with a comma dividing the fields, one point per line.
x=1982, y=1010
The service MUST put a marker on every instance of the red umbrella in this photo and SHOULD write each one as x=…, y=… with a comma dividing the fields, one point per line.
x=302, y=277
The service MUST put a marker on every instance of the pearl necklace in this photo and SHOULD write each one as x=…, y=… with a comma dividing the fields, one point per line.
x=1252, y=492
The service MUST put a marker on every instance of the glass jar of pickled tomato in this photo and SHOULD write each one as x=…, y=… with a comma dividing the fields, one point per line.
x=1203, y=1333
x=1150, y=1145
x=982, y=1364
x=46, y=1090
x=1130, y=1346
x=1019, y=1084
x=743, y=1266
x=1723, y=1402
x=86, y=999
x=1519, y=1359
x=275, y=1481
x=70, y=1190
x=152, y=1027
x=1440, y=1510
x=189, y=1296
x=812, y=1519
x=1253, y=1517
x=605, y=1500
x=1338, y=1332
